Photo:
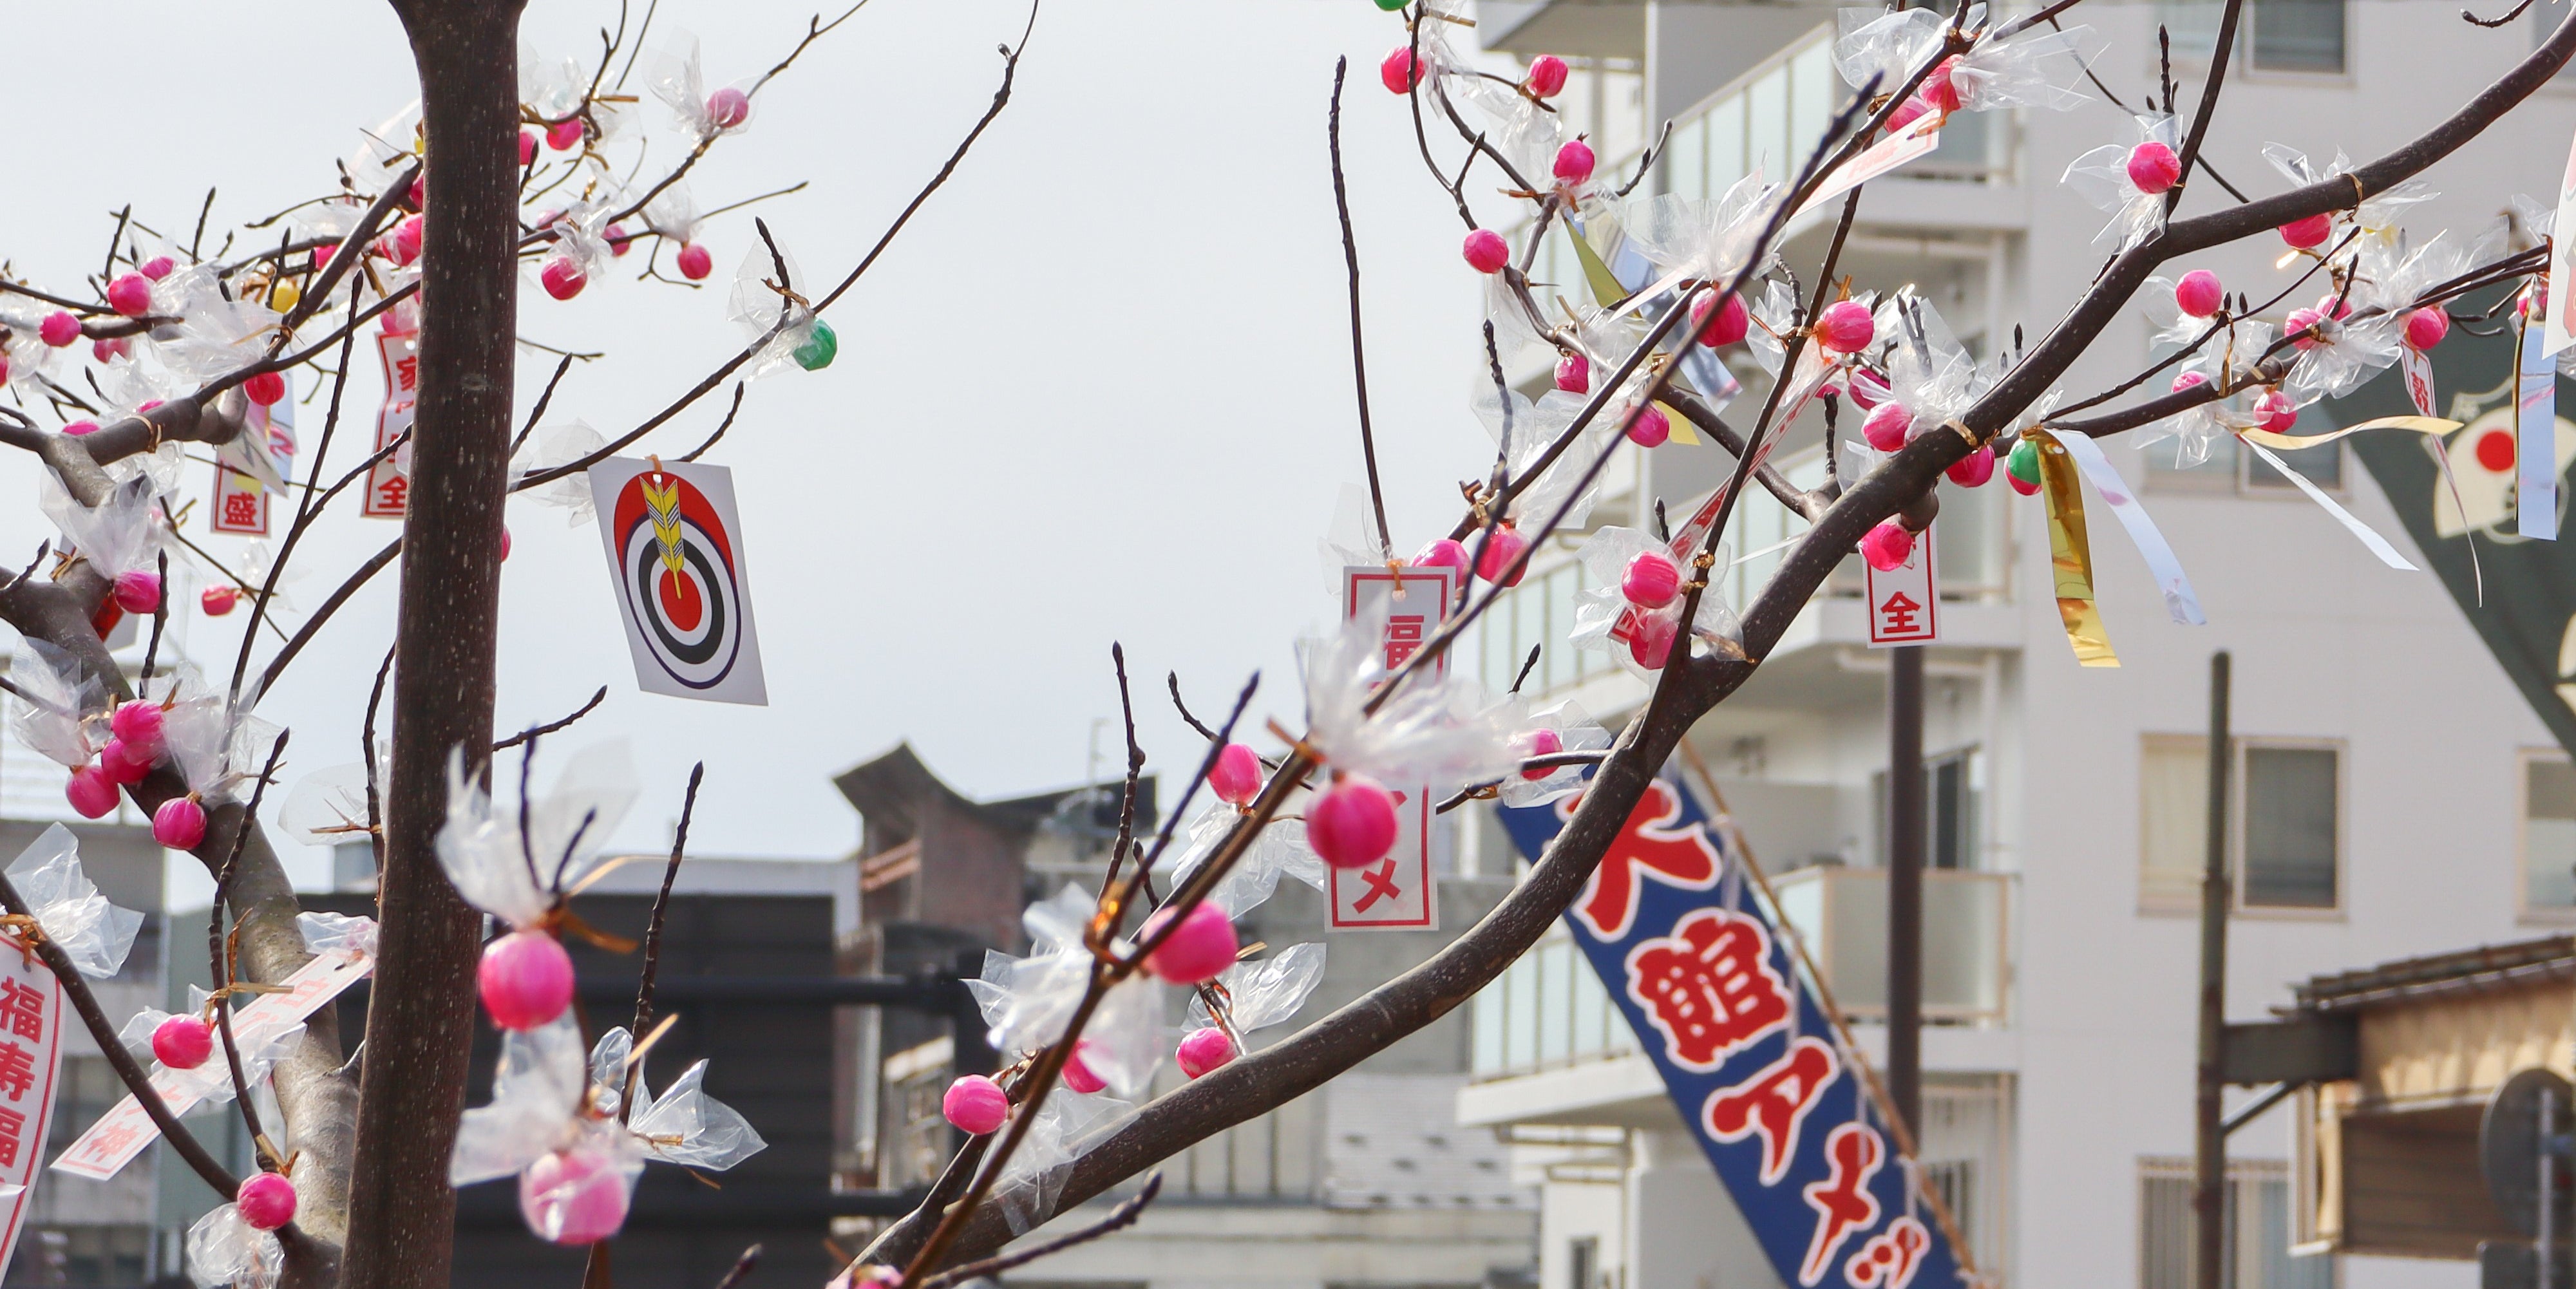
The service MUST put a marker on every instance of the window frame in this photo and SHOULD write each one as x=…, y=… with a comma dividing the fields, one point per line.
x=2241, y=58
x=2524, y=910
x=2240, y=818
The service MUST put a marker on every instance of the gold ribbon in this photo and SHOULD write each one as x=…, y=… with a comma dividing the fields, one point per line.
x=2071, y=554
x=2432, y=425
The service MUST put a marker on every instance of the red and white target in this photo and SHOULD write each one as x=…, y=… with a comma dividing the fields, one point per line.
x=675, y=550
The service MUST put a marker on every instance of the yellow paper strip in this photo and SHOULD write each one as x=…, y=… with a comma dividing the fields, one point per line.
x=1683, y=433
x=2071, y=554
x=2432, y=425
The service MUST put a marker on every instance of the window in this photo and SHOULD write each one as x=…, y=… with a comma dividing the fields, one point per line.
x=2289, y=832
x=2285, y=834
x=2257, y=1241
x=2296, y=35
x=1582, y=1262
x=1952, y=784
x=2273, y=35
x=2548, y=833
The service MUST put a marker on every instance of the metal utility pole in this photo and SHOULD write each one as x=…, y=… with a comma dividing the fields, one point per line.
x=2209, y=1155
x=1906, y=834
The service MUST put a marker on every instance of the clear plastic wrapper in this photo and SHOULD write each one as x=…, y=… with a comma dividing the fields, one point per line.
x=327, y=807
x=1279, y=850
x=1527, y=429
x=2345, y=355
x=677, y=81
x=568, y=825
x=2101, y=177
x=328, y=933
x=1885, y=43
x=1928, y=371
x=1576, y=731
x=1775, y=314
x=118, y=535
x=537, y=1089
x=560, y=445
x=95, y=933
x=57, y=707
x=1691, y=239
x=683, y=1125
x=1599, y=609
x=2035, y=67
x=1067, y=1126
x=755, y=305
x=673, y=213
x=225, y=1252
x=1262, y=994
x=1027, y=1001
x=216, y=749
x=1436, y=728
x=136, y=1034
x=2378, y=213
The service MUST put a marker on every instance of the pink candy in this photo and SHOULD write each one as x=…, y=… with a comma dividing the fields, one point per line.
x=1077, y=1072
x=1729, y=324
x=180, y=823
x=218, y=600
x=265, y=388
x=575, y=1196
x=1972, y=470
x=1651, y=427
x=728, y=107
x=2426, y=327
x=1887, y=426
x=138, y=590
x=1940, y=89
x=563, y=279
x=1204, y=1051
x=1501, y=555
x=1574, y=162
x=91, y=793
x=1202, y=946
x=2304, y=233
x=1400, y=72
x=1574, y=374
x=1546, y=76
x=527, y=148
x=1486, y=251
x=1652, y=580
x=1845, y=327
x=695, y=262
x=158, y=267
x=2153, y=167
x=1537, y=743
x=1650, y=639
x=59, y=329
x=2187, y=380
x=266, y=1201
x=1442, y=552
x=79, y=428
x=182, y=1042
x=974, y=1105
x=117, y=347
x=130, y=294
x=525, y=980
x=619, y=240
x=2198, y=293
x=138, y=722
x=126, y=764
x=1906, y=114
x=405, y=243
x=563, y=136
x=1236, y=776
x=1352, y=822
x=1887, y=546
x=2277, y=411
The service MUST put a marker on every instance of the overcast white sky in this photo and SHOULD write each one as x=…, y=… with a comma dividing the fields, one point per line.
x=1099, y=390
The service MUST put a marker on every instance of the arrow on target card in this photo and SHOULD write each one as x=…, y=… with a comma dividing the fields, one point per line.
x=675, y=556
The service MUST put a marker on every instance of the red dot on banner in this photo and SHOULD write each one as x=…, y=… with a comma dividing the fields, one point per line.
x=2495, y=450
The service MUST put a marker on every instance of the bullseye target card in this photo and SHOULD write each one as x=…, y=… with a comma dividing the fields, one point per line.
x=675, y=553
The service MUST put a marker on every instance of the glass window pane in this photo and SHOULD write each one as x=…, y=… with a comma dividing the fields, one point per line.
x=1494, y=633
x=2173, y=810
x=1560, y=655
x=2290, y=827
x=1685, y=160
x=1768, y=140
x=2194, y=24
x=1813, y=87
x=1555, y=1002
x=1520, y=1014
x=2549, y=835
x=2298, y=35
x=1529, y=607
x=1488, y=1027
x=1592, y=1016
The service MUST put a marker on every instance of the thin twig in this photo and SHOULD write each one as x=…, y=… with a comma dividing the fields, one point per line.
x=1119, y=1218
x=535, y=732
x=1359, y=350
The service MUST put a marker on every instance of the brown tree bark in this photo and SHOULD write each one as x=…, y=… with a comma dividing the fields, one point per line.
x=421, y=1012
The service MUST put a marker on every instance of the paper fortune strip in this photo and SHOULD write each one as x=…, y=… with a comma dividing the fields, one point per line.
x=675, y=558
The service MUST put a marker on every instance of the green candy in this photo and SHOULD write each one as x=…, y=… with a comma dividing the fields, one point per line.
x=1392, y=5
x=819, y=349
x=2023, y=464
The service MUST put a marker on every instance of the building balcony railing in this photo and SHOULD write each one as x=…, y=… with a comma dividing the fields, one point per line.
x=1841, y=914
x=1546, y=1011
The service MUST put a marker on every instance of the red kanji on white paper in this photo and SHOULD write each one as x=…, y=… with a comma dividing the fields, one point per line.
x=30, y=1055
x=388, y=486
x=1399, y=892
x=1904, y=606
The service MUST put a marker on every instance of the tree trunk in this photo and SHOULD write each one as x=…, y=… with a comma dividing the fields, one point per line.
x=420, y=1018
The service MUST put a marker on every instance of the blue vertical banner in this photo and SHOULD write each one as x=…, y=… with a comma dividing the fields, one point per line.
x=1705, y=979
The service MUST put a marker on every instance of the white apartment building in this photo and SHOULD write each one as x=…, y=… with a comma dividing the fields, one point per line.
x=2396, y=796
